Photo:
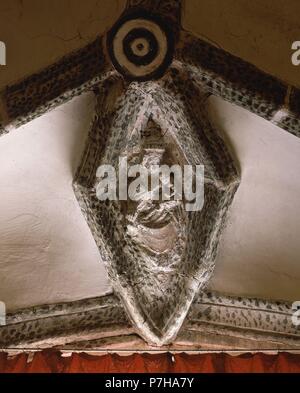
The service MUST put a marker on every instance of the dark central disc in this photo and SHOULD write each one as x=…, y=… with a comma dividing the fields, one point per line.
x=141, y=46
x=147, y=36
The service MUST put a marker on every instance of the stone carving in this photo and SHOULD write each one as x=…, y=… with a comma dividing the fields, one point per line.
x=230, y=323
x=155, y=227
x=157, y=254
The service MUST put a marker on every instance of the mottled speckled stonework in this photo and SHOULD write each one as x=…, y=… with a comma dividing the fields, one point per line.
x=56, y=84
x=170, y=9
x=221, y=321
x=232, y=78
x=295, y=102
x=291, y=122
x=156, y=298
x=220, y=72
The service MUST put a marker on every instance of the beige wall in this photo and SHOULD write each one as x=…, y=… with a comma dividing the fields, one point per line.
x=38, y=32
x=47, y=253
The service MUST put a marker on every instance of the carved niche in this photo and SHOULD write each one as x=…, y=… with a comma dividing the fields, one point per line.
x=158, y=254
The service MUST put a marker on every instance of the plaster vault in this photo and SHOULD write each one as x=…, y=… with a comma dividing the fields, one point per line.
x=151, y=81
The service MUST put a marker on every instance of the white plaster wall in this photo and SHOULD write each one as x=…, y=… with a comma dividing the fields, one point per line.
x=260, y=249
x=47, y=253
x=39, y=32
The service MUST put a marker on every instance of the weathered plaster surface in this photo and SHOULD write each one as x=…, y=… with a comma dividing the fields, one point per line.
x=37, y=33
x=46, y=251
x=260, y=32
x=55, y=258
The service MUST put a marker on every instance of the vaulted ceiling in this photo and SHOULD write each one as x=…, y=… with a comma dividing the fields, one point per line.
x=48, y=254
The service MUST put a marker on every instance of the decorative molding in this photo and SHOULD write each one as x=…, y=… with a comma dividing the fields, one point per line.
x=221, y=73
x=141, y=45
x=214, y=322
x=231, y=78
x=47, y=322
x=156, y=286
x=294, y=102
x=54, y=85
x=291, y=121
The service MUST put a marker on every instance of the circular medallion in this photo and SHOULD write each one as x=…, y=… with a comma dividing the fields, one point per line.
x=140, y=47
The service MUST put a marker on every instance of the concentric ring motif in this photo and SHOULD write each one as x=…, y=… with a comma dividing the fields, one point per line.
x=140, y=47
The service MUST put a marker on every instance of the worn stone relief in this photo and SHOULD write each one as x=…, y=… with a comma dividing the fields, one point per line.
x=158, y=255
x=151, y=81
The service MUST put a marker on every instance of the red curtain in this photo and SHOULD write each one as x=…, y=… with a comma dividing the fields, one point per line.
x=49, y=361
